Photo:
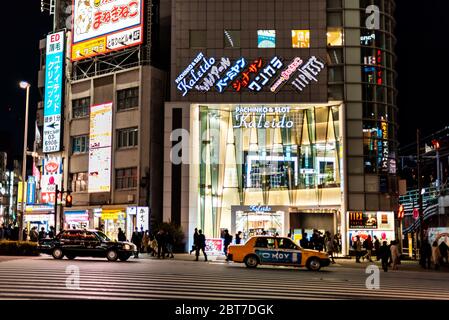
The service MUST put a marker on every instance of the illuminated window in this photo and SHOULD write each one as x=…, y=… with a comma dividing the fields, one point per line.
x=334, y=37
x=126, y=178
x=198, y=39
x=301, y=38
x=266, y=38
x=232, y=38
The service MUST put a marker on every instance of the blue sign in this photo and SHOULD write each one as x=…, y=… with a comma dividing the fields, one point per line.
x=279, y=256
x=53, y=98
x=31, y=190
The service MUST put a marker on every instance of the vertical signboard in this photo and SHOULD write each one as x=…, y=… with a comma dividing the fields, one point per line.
x=100, y=140
x=51, y=176
x=54, y=73
x=142, y=219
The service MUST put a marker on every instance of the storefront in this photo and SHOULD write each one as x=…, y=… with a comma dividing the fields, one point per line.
x=76, y=219
x=112, y=220
x=260, y=165
x=39, y=216
x=364, y=224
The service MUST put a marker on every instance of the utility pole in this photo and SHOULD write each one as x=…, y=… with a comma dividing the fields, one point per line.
x=421, y=218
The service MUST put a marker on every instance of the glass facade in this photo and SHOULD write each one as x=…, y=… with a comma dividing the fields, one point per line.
x=274, y=155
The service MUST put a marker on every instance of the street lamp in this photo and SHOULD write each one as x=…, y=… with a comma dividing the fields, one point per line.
x=26, y=86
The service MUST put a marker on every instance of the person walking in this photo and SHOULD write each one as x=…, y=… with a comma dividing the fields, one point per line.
x=201, y=245
x=25, y=234
x=145, y=242
x=121, y=235
x=436, y=255
x=42, y=234
x=195, y=241
x=426, y=254
x=368, y=245
x=2, y=231
x=137, y=241
x=358, y=249
x=51, y=233
x=376, y=248
x=330, y=246
x=169, y=242
x=238, y=237
x=395, y=254
x=226, y=243
x=384, y=255
x=304, y=242
x=161, y=245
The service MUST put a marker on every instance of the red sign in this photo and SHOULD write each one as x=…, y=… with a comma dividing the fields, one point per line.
x=51, y=167
x=214, y=246
x=415, y=213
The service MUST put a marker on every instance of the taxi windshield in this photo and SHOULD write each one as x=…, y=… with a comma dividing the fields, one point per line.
x=102, y=236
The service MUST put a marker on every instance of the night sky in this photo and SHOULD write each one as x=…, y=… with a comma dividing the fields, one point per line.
x=422, y=50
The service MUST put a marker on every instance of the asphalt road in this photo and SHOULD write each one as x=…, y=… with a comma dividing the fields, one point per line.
x=46, y=278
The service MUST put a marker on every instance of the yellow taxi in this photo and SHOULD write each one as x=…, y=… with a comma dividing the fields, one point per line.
x=279, y=251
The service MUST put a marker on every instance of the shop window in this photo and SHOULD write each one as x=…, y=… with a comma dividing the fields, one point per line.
x=301, y=38
x=232, y=38
x=80, y=144
x=126, y=178
x=79, y=181
x=266, y=38
x=128, y=98
x=335, y=37
x=335, y=74
x=127, y=138
x=80, y=108
x=198, y=39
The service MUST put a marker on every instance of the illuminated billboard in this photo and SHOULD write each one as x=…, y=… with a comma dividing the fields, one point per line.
x=102, y=26
x=51, y=177
x=54, y=73
x=100, y=143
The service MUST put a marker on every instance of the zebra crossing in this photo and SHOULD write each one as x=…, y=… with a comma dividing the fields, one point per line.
x=45, y=278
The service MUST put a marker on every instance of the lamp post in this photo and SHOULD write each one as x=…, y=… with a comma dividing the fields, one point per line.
x=26, y=86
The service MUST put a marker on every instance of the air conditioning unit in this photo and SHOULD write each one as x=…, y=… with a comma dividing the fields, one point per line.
x=130, y=198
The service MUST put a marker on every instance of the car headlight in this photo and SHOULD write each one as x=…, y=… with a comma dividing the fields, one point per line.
x=127, y=247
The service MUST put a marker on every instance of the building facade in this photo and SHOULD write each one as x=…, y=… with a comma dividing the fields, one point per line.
x=111, y=154
x=282, y=118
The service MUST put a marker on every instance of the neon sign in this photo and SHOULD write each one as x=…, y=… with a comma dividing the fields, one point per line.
x=231, y=74
x=244, y=80
x=285, y=75
x=307, y=73
x=267, y=74
x=214, y=75
x=195, y=73
x=257, y=117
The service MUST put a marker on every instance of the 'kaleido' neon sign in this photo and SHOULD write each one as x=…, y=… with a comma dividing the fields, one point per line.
x=257, y=117
x=203, y=75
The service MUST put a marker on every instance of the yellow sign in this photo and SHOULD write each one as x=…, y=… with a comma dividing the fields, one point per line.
x=112, y=214
x=301, y=38
x=89, y=48
x=19, y=194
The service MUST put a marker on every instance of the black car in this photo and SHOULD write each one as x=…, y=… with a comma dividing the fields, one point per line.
x=86, y=243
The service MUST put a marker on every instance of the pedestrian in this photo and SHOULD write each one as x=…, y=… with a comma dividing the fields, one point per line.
x=51, y=233
x=395, y=254
x=34, y=236
x=358, y=249
x=376, y=247
x=153, y=246
x=201, y=245
x=238, y=237
x=426, y=254
x=195, y=241
x=330, y=246
x=145, y=242
x=161, y=246
x=42, y=234
x=137, y=241
x=8, y=232
x=384, y=255
x=25, y=234
x=436, y=255
x=169, y=242
x=121, y=235
x=227, y=241
x=368, y=245
x=304, y=242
